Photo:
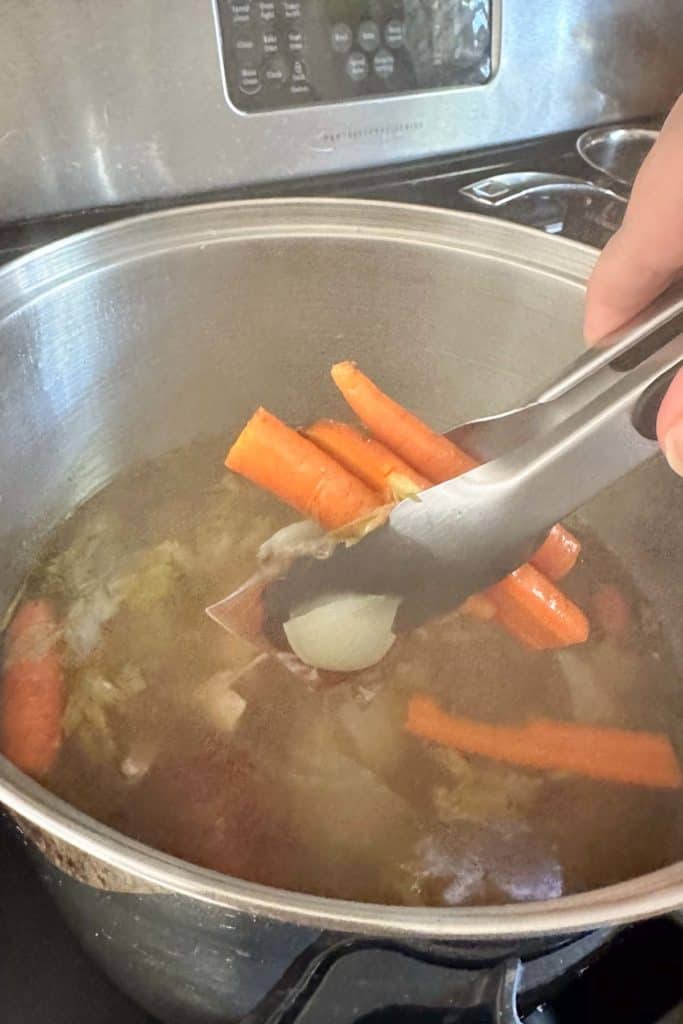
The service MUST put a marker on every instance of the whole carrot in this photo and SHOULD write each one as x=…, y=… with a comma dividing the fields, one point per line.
x=369, y=460
x=279, y=459
x=527, y=603
x=616, y=755
x=33, y=690
x=534, y=610
x=433, y=455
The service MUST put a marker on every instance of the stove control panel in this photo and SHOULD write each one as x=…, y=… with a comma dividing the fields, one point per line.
x=290, y=53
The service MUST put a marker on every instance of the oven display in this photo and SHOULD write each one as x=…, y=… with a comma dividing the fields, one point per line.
x=291, y=53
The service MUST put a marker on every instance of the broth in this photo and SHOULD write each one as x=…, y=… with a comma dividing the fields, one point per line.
x=185, y=738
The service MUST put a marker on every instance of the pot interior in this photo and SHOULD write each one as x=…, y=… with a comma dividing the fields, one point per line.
x=123, y=344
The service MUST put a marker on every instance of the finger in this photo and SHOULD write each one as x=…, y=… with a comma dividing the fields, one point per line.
x=625, y=280
x=670, y=425
x=646, y=254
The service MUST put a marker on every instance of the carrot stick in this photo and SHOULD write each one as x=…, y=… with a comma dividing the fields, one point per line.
x=558, y=554
x=369, y=460
x=280, y=460
x=535, y=611
x=616, y=755
x=529, y=606
x=33, y=691
x=431, y=454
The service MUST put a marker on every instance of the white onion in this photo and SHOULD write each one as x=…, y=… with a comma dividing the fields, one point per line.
x=343, y=633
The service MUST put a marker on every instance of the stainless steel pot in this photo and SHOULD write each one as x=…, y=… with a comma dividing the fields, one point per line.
x=123, y=342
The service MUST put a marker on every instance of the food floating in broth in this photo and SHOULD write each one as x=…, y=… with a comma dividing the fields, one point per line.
x=506, y=752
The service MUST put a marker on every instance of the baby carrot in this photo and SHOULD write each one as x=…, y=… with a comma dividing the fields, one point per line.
x=33, y=691
x=369, y=460
x=615, y=755
x=558, y=554
x=528, y=605
x=279, y=459
x=535, y=611
x=431, y=454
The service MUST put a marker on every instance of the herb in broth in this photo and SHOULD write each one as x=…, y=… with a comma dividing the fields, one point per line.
x=197, y=743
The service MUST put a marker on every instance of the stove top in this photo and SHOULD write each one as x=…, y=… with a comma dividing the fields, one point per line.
x=634, y=978
x=587, y=218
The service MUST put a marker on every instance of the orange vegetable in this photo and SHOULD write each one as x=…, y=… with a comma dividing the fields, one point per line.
x=528, y=605
x=616, y=755
x=535, y=611
x=431, y=454
x=369, y=460
x=434, y=456
x=279, y=459
x=558, y=553
x=33, y=690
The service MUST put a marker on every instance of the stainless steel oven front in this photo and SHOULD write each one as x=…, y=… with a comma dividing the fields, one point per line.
x=107, y=103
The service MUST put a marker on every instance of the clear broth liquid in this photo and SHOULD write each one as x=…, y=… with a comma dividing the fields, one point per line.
x=323, y=791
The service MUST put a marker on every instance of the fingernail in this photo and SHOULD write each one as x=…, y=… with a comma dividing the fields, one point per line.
x=673, y=447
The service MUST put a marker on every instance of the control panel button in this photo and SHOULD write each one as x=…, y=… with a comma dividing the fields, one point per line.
x=245, y=47
x=276, y=71
x=368, y=36
x=383, y=64
x=267, y=10
x=249, y=80
x=394, y=34
x=341, y=37
x=299, y=84
x=292, y=8
x=357, y=67
x=240, y=12
x=271, y=42
x=295, y=40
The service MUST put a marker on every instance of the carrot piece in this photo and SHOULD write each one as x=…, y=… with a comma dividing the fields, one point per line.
x=33, y=691
x=536, y=611
x=280, y=460
x=369, y=460
x=615, y=755
x=431, y=454
x=558, y=553
x=439, y=459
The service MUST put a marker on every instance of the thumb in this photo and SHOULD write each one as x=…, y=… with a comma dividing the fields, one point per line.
x=646, y=254
x=670, y=425
x=624, y=281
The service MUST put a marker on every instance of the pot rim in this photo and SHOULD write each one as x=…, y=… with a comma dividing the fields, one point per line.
x=24, y=280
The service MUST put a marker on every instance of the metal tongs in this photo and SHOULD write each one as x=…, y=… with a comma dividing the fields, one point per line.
x=542, y=461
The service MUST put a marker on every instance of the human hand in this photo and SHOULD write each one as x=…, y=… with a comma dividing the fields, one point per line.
x=642, y=259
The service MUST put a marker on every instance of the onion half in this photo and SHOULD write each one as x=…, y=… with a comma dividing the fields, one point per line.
x=343, y=632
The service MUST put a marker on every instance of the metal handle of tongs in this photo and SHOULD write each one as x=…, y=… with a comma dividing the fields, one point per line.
x=597, y=422
x=493, y=436
x=466, y=533
x=658, y=321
